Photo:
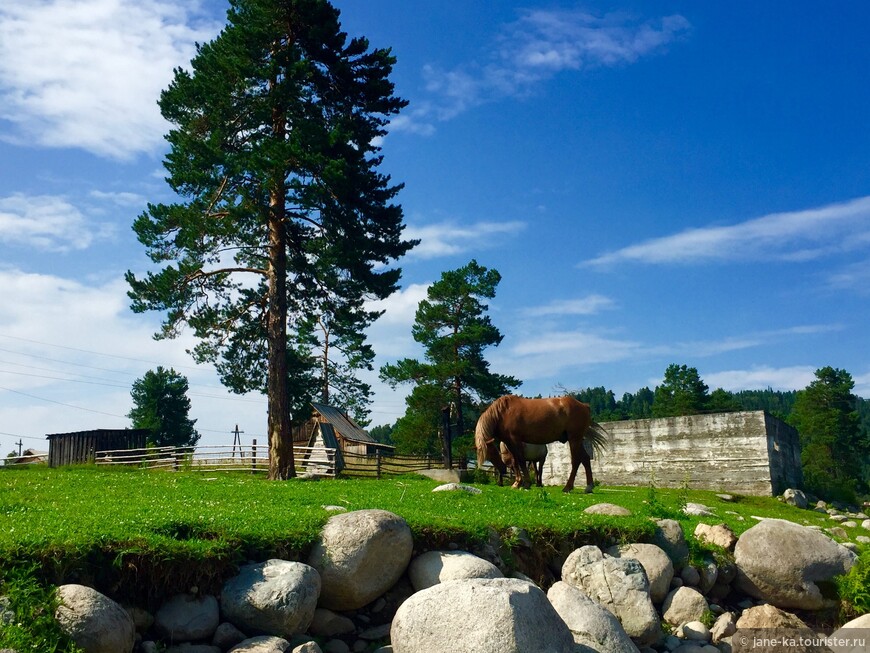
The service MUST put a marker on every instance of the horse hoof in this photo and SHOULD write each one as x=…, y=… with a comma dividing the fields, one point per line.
x=589, y=489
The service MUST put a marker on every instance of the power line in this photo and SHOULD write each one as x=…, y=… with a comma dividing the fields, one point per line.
x=60, y=403
x=90, y=410
x=115, y=385
x=89, y=351
x=18, y=435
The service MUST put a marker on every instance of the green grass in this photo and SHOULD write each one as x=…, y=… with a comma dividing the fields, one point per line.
x=128, y=531
x=29, y=608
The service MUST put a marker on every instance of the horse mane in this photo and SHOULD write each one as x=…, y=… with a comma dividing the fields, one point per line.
x=484, y=432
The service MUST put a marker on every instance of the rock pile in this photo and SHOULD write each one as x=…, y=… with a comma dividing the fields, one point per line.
x=362, y=588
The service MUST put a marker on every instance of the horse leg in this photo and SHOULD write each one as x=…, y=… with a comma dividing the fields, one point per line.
x=577, y=452
x=539, y=473
x=587, y=467
x=520, y=466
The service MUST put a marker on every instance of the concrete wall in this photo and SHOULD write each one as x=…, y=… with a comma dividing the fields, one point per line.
x=744, y=453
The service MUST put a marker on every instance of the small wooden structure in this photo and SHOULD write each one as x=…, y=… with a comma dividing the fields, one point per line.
x=28, y=457
x=322, y=443
x=79, y=447
x=349, y=436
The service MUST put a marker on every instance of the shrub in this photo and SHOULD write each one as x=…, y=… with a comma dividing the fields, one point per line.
x=854, y=588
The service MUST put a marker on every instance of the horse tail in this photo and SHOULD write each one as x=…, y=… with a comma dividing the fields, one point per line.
x=596, y=436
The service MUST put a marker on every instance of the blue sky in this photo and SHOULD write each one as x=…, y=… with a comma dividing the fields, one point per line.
x=668, y=182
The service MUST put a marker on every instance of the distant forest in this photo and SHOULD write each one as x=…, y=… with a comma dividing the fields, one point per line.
x=639, y=405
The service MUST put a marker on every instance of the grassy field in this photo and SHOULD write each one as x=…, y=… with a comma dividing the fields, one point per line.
x=128, y=529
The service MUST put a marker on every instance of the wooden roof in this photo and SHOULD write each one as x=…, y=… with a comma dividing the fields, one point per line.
x=344, y=426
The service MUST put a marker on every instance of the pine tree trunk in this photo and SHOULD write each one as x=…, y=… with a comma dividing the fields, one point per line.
x=281, y=463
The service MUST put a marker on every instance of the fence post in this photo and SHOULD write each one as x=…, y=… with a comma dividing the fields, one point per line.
x=254, y=457
x=378, y=463
x=446, y=439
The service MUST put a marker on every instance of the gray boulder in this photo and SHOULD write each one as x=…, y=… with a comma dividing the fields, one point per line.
x=435, y=567
x=262, y=644
x=698, y=510
x=276, y=597
x=717, y=534
x=620, y=585
x=593, y=626
x=360, y=555
x=707, y=575
x=226, y=636
x=795, y=498
x=683, y=605
x=656, y=563
x=690, y=576
x=769, y=616
x=782, y=563
x=670, y=537
x=725, y=626
x=694, y=631
x=850, y=640
x=93, y=621
x=187, y=618
x=187, y=647
x=326, y=623
x=607, y=509
x=458, y=487
x=480, y=615
x=308, y=647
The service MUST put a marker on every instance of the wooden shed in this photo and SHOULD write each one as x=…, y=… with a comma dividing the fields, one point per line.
x=79, y=447
x=349, y=435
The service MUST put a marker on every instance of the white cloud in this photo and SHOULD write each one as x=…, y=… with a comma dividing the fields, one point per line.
x=88, y=73
x=590, y=305
x=47, y=223
x=400, y=307
x=70, y=351
x=570, y=39
x=123, y=199
x=533, y=49
x=759, y=378
x=449, y=238
x=862, y=385
x=551, y=353
x=791, y=236
x=706, y=348
x=391, y=336
x=855, y=276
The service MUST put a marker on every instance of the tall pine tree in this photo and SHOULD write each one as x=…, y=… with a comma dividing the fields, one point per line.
x=452, y=325
x=283, y=216
x=682, y=392
x=161, y=405
x=834, y=450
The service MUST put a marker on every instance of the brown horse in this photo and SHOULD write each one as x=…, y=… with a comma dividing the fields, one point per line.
x=515, y=420
x=501, y=458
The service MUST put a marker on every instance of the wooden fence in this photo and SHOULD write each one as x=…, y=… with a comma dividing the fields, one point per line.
x=309, y=460
x=218, y=458
x=379, y=465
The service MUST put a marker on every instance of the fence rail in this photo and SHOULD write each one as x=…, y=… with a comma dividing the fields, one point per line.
x=217, y=458
x=378, y=465
x=308, y=460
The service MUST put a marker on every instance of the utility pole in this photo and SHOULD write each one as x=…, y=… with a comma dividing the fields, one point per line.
x=238, y=441
x=20, y=444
